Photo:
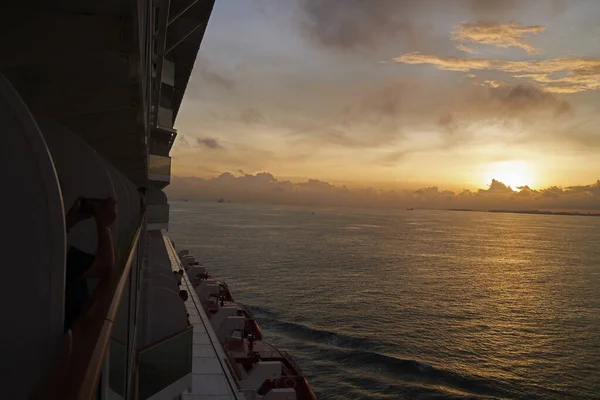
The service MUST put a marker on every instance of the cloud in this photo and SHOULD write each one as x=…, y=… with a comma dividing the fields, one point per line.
x=358, y=25
x=252, y=116
x=381, y=107
x=209, y=143
x=557, y=75
x=509, y=107
x=181, y=141
x=492, y=6
x=214, y=77
x=346, y=25
x=517, y=114
x=499, y=35
x=497, y=187
x=518, y=100
x=356, y=116
x=467, y=49
x=266, y=188
x=502, y=102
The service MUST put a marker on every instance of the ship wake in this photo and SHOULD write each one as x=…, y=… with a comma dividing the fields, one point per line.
x=362, y=359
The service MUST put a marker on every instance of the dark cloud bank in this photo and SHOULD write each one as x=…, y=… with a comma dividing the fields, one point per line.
x=351, y=25
x=265, y=188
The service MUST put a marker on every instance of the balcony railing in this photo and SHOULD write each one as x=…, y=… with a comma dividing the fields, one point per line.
x=168, y=73
x=76, y=369
x=157, y=216
x=159, y=168
x=161, y=364
x=118, y=367
x=162, y=140
x=165, y=117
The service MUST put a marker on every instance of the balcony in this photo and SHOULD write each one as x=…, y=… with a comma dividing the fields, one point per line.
x=157, y=216
x=159, y=169
x=164, y=369
x=168, y=73
x=165, y=117
x=117, y=367
x=162, y=140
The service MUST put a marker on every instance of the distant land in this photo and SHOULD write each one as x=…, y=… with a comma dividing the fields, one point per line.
x=542, y=212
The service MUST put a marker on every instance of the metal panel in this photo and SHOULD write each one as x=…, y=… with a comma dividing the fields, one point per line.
x=168, y=73
x=165, y=117
x=157, y=213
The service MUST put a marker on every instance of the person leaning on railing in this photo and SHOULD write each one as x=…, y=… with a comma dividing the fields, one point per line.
x=81, y=265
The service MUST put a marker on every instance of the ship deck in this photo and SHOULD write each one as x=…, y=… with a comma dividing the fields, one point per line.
x=211, y=376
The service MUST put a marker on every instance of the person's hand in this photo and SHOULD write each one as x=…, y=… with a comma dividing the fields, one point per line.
x=106, y=213
x=73, y=215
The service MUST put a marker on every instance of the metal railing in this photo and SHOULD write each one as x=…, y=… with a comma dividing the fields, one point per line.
x=118, y=358
x=237, y=374
x=157, y=213
x=159, y=165
x=276, y=353
x=75, y=371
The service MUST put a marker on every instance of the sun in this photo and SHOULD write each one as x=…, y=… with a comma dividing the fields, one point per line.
x=511, y=173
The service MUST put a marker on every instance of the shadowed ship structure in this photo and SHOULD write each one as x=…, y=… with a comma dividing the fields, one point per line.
x=89, y=94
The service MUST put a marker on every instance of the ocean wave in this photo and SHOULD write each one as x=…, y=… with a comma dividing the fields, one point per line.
x=361, y=354
x=364, y=355
x=259, y=311
x=271, y=320
x=461, y=385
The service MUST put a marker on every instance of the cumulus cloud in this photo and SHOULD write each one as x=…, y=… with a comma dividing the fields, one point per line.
x=557, y=75
x=499, y=35
x=497, y=187
x=266, y=188
x=209, y=143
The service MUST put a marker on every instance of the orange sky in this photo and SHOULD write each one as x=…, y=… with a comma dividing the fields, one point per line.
x=396, y=94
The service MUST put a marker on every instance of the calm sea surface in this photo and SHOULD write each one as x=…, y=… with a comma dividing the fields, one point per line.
x=413, y=304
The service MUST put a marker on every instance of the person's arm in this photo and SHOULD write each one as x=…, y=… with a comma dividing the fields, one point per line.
x=104, y=260
x=73, y=216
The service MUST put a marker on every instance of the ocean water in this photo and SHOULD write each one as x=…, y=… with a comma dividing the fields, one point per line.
x=380, y=304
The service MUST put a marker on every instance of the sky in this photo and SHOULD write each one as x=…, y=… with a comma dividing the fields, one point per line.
x=396, y=94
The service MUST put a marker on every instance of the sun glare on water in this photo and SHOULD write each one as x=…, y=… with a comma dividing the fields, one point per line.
x=511, y=173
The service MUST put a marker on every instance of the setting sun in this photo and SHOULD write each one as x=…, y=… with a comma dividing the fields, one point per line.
x=511, y=173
